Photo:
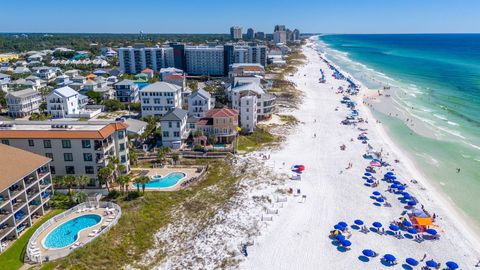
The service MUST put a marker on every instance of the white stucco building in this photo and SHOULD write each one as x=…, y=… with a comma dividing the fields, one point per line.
x=199, y=102
x=174, y=128
x=23, y=103
x=159, y=98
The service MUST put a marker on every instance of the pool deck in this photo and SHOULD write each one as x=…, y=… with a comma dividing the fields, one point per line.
x=190, y=172
x=83, y=235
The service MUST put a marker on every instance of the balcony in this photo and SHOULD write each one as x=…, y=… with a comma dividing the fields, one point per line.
x=15, y=190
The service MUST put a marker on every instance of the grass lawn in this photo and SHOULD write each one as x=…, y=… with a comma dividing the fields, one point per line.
x=255, y=140
x=13, y=257
x=126, y=242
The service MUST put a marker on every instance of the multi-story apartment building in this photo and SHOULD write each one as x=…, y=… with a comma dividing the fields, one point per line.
x=126, y=91
x=280, y=37
x=221, y=123
x=238, y=54
x=174, y=128
x=23, y=103
x=159, y=98
x=204, y=60
x=250, y=34
x=236, y=32
x=25, y=190
x=199, y=102
x=75, y=148
x=135, y=59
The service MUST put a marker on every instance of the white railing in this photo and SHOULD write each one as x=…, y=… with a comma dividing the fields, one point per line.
x=64, y=252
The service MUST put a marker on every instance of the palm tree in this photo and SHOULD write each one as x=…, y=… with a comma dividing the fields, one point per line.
x=162, y=153
x=123, y=181
x=82, y=180
x=69, y=181
x=133, y=158
x=58, y=180
x=105, y=176
x=80, y=196
x=175, y=158
x=142, y=180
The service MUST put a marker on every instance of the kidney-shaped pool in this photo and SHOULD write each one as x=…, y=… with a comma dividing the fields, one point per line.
x=67, y=233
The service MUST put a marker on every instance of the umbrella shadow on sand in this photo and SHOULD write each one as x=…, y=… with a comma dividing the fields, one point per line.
x=363, y=258
x=407, y=267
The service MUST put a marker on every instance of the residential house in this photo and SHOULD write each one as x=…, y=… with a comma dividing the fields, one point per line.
x=221, y=123
x=45, y=73
x=159, y=98
x=174, y=128
x=65, y=102
x=23, y=103
x=126, y=91
x=21, y=70
x=149, y=72
x=4, y=81
x=199, y=102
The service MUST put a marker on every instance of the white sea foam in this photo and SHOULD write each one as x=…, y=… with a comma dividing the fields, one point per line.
x=452, y=123
x=439, y=116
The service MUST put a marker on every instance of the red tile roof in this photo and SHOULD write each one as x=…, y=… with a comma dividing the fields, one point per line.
x=147, y=70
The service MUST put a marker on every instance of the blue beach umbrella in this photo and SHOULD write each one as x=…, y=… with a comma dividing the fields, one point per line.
x=367, y=174
x=412, y=230
x=392, y=177
x=376, y=193
x=358, y=222
x=346, y=243
x=370, y=181
x=406, y=195
x=431, y=231
x=377, y=224
x=412, y=261
x=364, y=177
x=397, y=182
x=390, y=173
x=406, y=223
x=401, y=187
x=394, y=227
x=431, y=263
x=394, y=186
x=340, y=237
x=368, y=252
x=389, y=258
x=380, y=199
x=339, y=227
x=452, y=265
x=412, y=203
x=343, y=224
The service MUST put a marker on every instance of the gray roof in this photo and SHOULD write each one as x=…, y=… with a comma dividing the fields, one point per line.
x=23, y=93
x=134, y=125
x=160, y=87
x=176, y=114
x=4, y=76
x=65, y=91
x=250, y=87
x=202, y=93
x=192, y=119
x=126, y=82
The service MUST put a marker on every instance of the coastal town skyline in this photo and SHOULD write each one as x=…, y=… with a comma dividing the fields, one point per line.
x=321, y=17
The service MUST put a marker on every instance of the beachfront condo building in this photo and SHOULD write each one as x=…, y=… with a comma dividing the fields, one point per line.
x=75, y=147
x=137, y=58
x=159, y=98
x=280, y=37
x=195, y=60
x=23, y=103
x=204, y=60
x=25, y=190
x=236, y=32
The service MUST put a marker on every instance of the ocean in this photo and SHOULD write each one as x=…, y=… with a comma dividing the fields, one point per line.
x=440, y=75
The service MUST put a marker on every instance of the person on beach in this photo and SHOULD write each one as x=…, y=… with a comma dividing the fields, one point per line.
x=458, y=170
x=424, y=257
x=478, y=263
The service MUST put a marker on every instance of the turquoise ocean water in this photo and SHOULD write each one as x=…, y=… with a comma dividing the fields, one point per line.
x=440, y=74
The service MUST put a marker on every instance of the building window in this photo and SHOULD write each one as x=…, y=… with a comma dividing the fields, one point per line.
x=169, y=124
x=49, y=155
x=70, y=169
x=123, y=159
x=52, y=170
x=86, y=144
x=165, y=134
x=31, y=143
x=176, y=134
x=178, y=124
x=6, y=142
x=66, y=144
x=87, y=157
x=68, y=156
x=122, y=147
x=47, y=144
x=89, y=170
x=121, y=134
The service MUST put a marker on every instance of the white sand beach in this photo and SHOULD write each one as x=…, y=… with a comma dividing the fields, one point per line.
x=297, y=238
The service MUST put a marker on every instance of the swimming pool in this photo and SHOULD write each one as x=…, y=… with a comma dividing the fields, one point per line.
x=67, y=233
x=169, y=180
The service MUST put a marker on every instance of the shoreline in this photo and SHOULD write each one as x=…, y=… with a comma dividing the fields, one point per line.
x=297, y=239
x=381, y=104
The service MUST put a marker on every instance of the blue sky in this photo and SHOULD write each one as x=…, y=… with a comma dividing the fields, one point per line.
x=216, y=16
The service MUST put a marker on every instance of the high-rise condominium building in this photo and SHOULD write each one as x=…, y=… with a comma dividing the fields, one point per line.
x=250, y=34
x=135, y=59
x=236, y=32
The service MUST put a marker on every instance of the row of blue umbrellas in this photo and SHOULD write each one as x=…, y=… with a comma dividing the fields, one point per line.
x=411, y=261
